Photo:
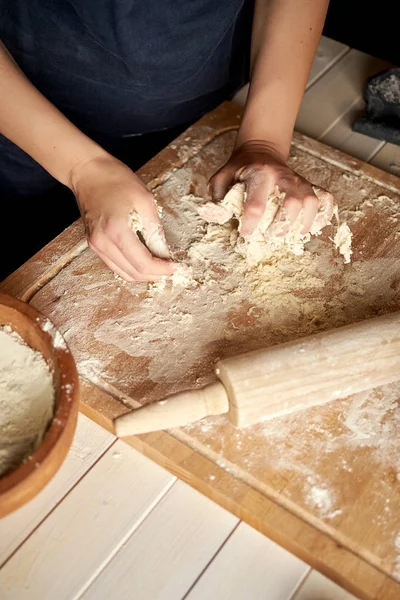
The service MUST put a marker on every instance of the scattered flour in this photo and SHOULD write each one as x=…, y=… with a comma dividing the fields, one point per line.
x=58, y=340
x=320, y=498
x=26, y=399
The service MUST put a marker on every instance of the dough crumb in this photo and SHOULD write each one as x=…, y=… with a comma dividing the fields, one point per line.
x=182, y=277
x=342, y=241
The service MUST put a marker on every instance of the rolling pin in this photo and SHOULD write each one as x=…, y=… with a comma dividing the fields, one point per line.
x=282, y=379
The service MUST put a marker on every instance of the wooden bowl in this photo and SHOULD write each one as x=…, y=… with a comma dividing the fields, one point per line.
x=24, y=482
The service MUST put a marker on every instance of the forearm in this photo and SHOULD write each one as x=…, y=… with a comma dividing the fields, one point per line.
x=29, y=120
x=284, y=41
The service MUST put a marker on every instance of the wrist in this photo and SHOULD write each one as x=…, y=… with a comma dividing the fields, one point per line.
x=89, y=168
x=261, y=146
x=267, y=120
x=269, y=138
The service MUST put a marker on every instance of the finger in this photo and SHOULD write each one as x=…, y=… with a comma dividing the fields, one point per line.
x=310, y=209
x=255, y=206
x=293, y=206
x=113, y=267
x=220, y=183
x=109, y=253
x=154, y=237
x=152, y=230
x=140, y=258
x=326, y=202
x=280, y=226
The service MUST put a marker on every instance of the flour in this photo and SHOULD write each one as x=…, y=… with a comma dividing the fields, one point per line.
x=26, y=399
x=182, y=277
x=57, y=339
x=321, y=499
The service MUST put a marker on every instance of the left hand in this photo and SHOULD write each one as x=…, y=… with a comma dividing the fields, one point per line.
x=261, y=167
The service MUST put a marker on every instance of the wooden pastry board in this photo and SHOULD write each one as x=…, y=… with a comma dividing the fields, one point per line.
x=323, y=483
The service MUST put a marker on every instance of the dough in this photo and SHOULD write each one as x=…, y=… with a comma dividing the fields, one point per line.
x=153, y=235
x=268, y=236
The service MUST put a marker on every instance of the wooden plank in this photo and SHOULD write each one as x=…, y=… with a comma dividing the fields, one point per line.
x=318, y=587
x=334, y=94
x=329, y=52
x=168, y=552
x=98, y=515
x=90, y=442
x=388, y=158
x=341, y=136
x=249, y=565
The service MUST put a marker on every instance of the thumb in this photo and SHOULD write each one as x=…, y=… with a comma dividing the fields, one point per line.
x=154, y=237
x=151, y=227
x=220, y=183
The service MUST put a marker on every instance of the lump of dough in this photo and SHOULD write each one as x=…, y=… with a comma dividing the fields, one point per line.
x=267, y=239
x=153, y=235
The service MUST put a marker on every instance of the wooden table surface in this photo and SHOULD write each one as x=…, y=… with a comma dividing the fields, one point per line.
x=338, y=508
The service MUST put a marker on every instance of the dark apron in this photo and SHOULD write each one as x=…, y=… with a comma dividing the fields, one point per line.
x=120, y=67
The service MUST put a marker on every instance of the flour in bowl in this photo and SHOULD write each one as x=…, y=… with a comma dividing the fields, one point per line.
x=26, y=399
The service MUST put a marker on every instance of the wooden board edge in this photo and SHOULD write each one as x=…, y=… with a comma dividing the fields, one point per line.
x=338, y=158
x=45, y=264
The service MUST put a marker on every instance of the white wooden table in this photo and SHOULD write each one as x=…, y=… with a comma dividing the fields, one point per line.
x=114, y=525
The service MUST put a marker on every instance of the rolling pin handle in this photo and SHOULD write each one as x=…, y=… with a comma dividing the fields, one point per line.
x=176, y=411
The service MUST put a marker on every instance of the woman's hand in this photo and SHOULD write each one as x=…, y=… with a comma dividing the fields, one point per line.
x=261, y=167
x=109, y=194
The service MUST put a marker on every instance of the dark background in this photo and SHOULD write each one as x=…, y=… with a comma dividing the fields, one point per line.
x=372, y=27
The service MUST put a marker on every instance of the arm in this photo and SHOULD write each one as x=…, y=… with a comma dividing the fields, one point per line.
x=284, y=40
x=106, y=190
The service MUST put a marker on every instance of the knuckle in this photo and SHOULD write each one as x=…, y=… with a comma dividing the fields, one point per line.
x=96, y=241
x=293, y=202
x=110, y=228
x=140, y=268
x=254, y=209
x=251, y=171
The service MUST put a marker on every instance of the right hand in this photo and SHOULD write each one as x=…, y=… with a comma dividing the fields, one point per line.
x=107, y=192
